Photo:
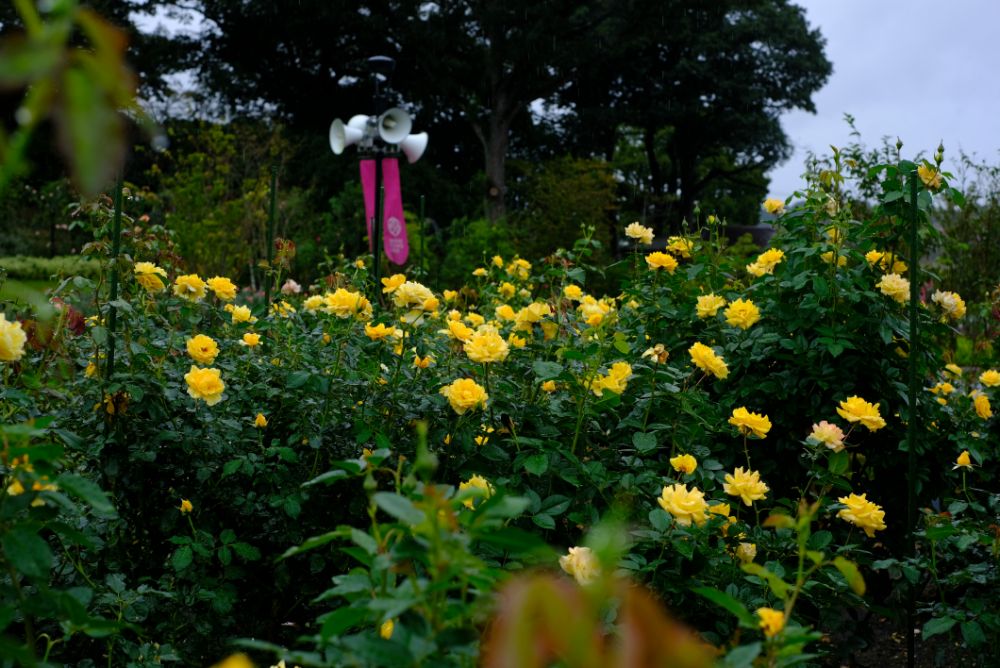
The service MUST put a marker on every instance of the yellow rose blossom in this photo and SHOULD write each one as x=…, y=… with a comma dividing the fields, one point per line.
x=745, y=484
x=828, y=434
x=856, y=409
x=507, y=290
x=582, y=564
x=476, y=482
x=516, y=341
x=640, y=233
x=282, y=309
x=766, y=262
x=531, y=314
x=450, y=295
x=549, y=386
x=422, y=362
x=771, y=621
x=615, y=381
x=930, y=176
x=411, y=295
x=755, y=269
x=862, y=513
x=685, y=464
x=202, y=349
x=189, y=287
x=505, y=312
x=465, y=394
x=685, y=506
x=834, y=234
x=186, y=507
x=549, y=329
x=314, y=303
x=982, y=405
x=520, y=269
x=480, y=272
x=458, y=330
x=223, y=288
x=573, y=292
x=497, y=261
x=887, y=262
x=344, y=304
x=474, y=319
x=963, y=461
x=660, y=260
x=359, y=263
x=828, y=258
x=205, y=384
x=774, y=206
x=385, y=631
x=390, y=283
x=380, y=331
x=486, y=346
x=148, y=276
x=260, y=421
x=235, y=661
x=989, y=378
x=746, y=552
x=742, y=313
x=12, y=340
x=708, y=305
x=250, y=340
x=953, y=369
x=750, y=423
x=951, y=303
x=241, y=314
x=705, y=359
x=680, y=247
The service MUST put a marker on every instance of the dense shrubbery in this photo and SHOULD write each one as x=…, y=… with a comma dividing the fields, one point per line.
x=729, y=434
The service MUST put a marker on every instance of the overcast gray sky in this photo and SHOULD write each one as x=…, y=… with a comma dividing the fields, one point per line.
x=922, y=70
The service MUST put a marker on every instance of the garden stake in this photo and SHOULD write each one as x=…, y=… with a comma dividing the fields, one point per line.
x=911, y=437
x=270, y=239
x=116, y=243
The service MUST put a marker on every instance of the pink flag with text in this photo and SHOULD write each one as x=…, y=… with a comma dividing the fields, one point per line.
x=394, y=240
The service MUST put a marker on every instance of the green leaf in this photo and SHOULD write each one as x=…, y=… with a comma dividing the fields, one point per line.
x=22, y=61
x=316, y=541
x=851, y=573
x=839, y=462
x=546, y=370
x=27, y=552
x=297, y=379
x=660, y=519
x=743, y=656
x=245, y=551
x=338, y=621
x=940, y=531
x=937, y=626
x=182, y=558
x=514, y=540
x=777, y=585
x=643, y=442
x=399, y=507
x=973, y=634
x=820, y=539
x=544, y=521
x=731, y=604
x=87, y=491
x=537, y=464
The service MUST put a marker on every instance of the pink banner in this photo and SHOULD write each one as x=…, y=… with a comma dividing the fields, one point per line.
x=394, y=240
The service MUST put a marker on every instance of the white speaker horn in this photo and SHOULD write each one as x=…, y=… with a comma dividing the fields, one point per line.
x=342, y=136
x=414, y=146
x=394, y=125
x=358, y=122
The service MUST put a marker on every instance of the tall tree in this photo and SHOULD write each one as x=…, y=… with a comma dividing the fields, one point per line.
x=705, y=83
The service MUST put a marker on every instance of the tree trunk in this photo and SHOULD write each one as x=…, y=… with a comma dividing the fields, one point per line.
x=688, y=187
x=495, y=146
x=655, y=178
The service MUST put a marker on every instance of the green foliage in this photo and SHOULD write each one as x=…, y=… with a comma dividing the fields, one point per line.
x=471, y=243
x=45, y=268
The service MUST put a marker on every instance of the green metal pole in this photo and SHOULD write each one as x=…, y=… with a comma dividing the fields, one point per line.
x=377, y=226
x=420, y=238
x=914, y=413
x=116, y=245
x=270, y=238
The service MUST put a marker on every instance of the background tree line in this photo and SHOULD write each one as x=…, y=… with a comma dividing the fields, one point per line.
x=651, y=109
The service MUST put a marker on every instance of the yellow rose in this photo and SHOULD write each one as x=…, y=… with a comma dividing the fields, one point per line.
x=186, y=507
x=771, y=621
x=963, y=461
x=241, y=314
x=708, y=305
x=379, y=331
x=250, y=340
x=745, y=484
x=705, y=359
x=895, y=286
x=951, y=303
x=685, y=464
x=572, y=292
x=640, y=233
x=422, y=362
x=497, y=261
x=680, y=246
x=314, y=303
x=746, y=552
x=344, y=304
x=190, y=287
x=504, y=312
x=549, y=386
x=386, y=629
x=486, y=346
x=202, y=349
x=520, y=269
x=260, y=421
x=989, y=378
x=614, y=381
x=856, y=409
x=12, y=340
x=774, y=206
x=685, y=506
x=828, y=258
x=223, y=288
x=507, y=290
x=148, y=276
x=742, y=313
x=205, y=384
x=516, y=341
x=750, y=423
x=390, y=283
x=828, y=434
x=450, y=295
x=465, y=394
x=457, y=330
x=982, y=405
x=863, y=513
x=412, y=295
x=582, y=564
x=660, y=260
x=930, y=176
x=476, y=482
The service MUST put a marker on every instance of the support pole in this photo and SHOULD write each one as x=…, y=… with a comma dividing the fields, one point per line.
x=269, y=274
x=914, y=413
x=377, y=225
